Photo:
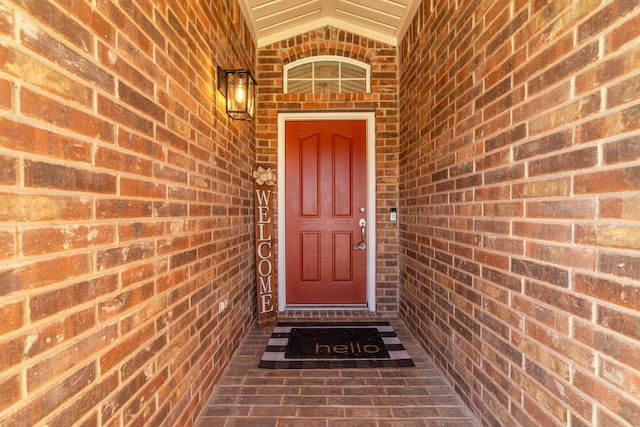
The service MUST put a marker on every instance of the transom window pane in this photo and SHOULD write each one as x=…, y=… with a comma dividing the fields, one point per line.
x=322, y=75
x=304, y=71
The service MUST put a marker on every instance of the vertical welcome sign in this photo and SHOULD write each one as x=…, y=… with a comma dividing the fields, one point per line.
x=265, y=261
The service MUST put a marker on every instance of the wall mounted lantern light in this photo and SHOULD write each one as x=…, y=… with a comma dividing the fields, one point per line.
x=239, y=90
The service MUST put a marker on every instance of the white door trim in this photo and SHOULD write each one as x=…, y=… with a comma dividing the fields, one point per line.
x=369, y=117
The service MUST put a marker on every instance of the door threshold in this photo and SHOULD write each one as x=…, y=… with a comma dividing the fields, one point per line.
x=326, y=307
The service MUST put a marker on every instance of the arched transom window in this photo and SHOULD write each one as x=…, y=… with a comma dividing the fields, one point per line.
x=326, y=74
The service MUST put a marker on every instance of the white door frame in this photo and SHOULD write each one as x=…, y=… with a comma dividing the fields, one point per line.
x=369, y=117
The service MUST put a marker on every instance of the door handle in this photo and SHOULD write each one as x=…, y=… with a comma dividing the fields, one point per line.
x=361, y=244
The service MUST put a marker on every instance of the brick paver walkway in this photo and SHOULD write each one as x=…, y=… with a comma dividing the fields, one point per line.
x=399, y=397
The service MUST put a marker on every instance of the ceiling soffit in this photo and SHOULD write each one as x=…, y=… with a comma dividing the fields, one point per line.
x=273, y=20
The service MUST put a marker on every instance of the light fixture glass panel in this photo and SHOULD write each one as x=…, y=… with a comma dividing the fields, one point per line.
x=239, y=88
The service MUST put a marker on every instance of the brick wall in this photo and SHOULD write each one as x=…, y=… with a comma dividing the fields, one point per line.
x=383, y=99
x=520, y=205
x=125, y=209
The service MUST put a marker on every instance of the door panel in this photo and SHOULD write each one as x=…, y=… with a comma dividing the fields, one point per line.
x=325, y=187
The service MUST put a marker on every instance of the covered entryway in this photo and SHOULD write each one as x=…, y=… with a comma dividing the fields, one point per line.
x=326, y=204
x=247, y=395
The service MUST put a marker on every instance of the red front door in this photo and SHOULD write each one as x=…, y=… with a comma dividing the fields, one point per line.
x=325, y=193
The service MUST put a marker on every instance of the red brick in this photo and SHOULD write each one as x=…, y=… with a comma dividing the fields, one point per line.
x=140, y=145
x=623, y=179
x=620, y=207
x=8, y=245
x=123, y=208
x=11, y=315
x=562, y=255
x=563, y=69
x=625, y=295
x=505, y=138
x=173, y=244
x=129, y=69
x=627, y=32
x=552, y=52
x=620, y=264
x=41, y=273
x=121, y=115
x=124, y=301
x=143, y=272
x=566, y=302
x=548, y=316
x=604, y=18
x=119, y=256
x=624, y=150
x=6, y=21
x=52, y=112
x=25, y=138
x=76, y=409
x=509, y=246
x=8, y=170
x=116, y=160
x=543, y=272
x=508, y=173
x=51, y=302
x=623, y=92
x=608, y=236
x=143, y=189
x=547, y=188
x=543, y=231
x=561, y=345
x=545, y=101
x=546, y=144
x=607, y=70
x=6, y=94
x=619, y=321
x=61, y=23
x=65, y=178
x=575, y=160
x=44, y=403
x=9, y=391
x=67, y=358
x=619, y=376
x=29, y=207
x=141, y=103
x=622, y=121
x=49, y=240
x=566, y=209
x=611, y=399
x=543, y=406
x=615, y=346
x=502, y=279
x=504, y=209
x=35, y=72
x=169, y=174
x=46, y=337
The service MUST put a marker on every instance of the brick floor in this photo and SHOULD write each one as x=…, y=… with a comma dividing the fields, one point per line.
x=399, y=397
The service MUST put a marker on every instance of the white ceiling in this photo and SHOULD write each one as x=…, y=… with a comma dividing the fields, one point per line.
x=275, y=20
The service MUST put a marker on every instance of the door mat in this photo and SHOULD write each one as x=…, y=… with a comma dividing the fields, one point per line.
x=334, y=345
